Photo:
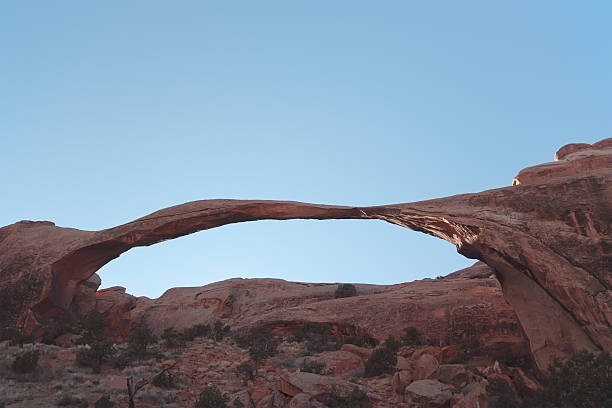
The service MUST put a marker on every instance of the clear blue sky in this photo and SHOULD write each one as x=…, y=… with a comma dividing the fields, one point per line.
x=111, y=110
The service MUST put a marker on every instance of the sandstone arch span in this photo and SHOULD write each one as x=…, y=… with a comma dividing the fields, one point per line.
x=547, y=238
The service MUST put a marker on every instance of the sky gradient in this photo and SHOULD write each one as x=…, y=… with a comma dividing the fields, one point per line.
x=113, y=110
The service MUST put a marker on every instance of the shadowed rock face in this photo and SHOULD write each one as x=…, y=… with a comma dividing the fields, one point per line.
x=547, y=238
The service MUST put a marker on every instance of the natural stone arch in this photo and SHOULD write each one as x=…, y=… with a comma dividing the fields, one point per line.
x=547, y=239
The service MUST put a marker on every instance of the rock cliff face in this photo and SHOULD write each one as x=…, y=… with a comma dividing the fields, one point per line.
x=463, y=307
x=547, y=238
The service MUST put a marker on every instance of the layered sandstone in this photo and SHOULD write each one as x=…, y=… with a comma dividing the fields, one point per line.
x=547, y=238
x=464, y=306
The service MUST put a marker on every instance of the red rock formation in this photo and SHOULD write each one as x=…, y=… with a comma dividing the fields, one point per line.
x=547, y=239
x=465, y=305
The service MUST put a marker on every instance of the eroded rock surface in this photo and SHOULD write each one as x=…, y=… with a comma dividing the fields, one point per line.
x=465, y=306
x=547, y=238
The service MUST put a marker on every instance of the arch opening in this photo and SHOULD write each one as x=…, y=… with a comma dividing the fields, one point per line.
x=294, y=250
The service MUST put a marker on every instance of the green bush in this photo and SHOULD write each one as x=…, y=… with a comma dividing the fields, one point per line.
x=219, y=331
x=211, y=397
x=504, y=401
x=93, y=325
x=140, y=338
x=460, y=358
x=524, y=361
x=260, y=343
x=97, y=352
x=583, y=381
x=105, y=402
x=345, y=290
x=412, y=336
x=122, y=359
x=314, y=367
x=199, y=330
x=356, y=399
x=391, y=344
x=246, y=371
x=172, y=338
x=238, y=404
x=382, y=360
x=317, y=337
x=165, y=379
x=16, y=337
x=71, y=400
x=26, y=362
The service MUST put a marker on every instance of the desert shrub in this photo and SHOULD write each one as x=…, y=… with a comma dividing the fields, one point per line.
x=356, y=399
x=104, y=402
x=504, y=401
x=93, y=324
x=524, y=361
x=260, y=343
x=199, y=330
x=391, y=344
x=26, y=362
x=317, y=337
x=165, y=379
x=71, y=400
x=140, y=338
x=211, y=397
x=122, y=359
x=172, y=338
x=439, y=277
x=411, y=337
x=460, y=358
x=583, y=381
x=382, y=360
x=219, y=330
x=246, y=371
x=94, y=355
x=345, y=290
x=16, y=337
x=500, y=388
x=314, y=367
x=238, y=404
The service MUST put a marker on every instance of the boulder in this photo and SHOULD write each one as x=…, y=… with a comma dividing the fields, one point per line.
x=455, y=375
x=273, y=400
x=431, y=350
x=296, y=383
x=85, y=295
x=525, y=386
x=472, y=396
x=400, y=381
x=432, y=393
x=425, y=367
x=449, y=353
x=305, y=401
x=244, y=397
